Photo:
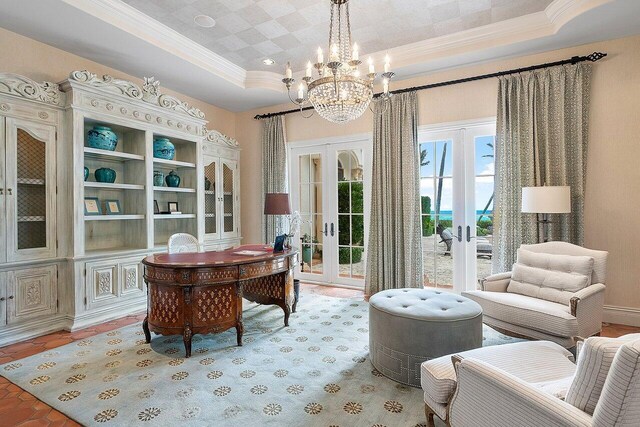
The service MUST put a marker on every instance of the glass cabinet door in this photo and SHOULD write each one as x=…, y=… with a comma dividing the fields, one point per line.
x=211, y=221
x=30, y=190
x=228, y=198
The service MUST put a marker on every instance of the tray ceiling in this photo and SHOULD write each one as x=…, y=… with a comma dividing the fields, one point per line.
x=248, y=31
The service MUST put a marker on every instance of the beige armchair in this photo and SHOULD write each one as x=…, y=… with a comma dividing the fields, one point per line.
x=555, y=292
x=604, y=392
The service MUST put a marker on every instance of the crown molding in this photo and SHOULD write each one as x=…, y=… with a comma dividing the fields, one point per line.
x=128, y=19
x=522, y=28
x=23, y=87
x=504, y=33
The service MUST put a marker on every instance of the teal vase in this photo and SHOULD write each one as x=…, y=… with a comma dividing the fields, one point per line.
x=86, y=173
x=163, y=149
x=307, y=254
x=102, y=137
x=158, y=178
x=172, y=180
x=105, y=175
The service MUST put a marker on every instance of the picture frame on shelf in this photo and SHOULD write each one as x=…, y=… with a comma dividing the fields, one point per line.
x=112, y=207
x=172, y=207
x=156, y=207
x=92, y=206
x=278, y=245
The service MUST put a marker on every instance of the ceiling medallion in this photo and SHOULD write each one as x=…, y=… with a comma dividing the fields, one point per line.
x=339, y=93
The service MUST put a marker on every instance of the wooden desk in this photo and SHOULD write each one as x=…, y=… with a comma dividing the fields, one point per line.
x=201, y=293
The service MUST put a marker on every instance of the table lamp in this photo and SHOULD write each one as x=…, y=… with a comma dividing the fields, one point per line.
x=276, y=204
x=546, y=200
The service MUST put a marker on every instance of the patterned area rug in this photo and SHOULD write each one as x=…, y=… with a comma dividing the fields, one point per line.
x=314, y=373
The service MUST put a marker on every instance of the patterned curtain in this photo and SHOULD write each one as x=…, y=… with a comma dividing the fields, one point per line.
x=395, y=244
x=274, y=172
x=541, y=139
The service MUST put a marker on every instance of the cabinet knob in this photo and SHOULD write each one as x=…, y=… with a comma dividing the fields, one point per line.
x=2, y=298
x=1, y=191
x=11, y=296
x=9, y=191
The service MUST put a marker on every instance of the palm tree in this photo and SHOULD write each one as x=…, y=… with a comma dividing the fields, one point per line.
x=486, y=208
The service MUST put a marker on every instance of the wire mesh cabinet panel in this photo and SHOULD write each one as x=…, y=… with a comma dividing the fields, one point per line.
x=229, y=198
x=221, y=200
x=30, y=185
x=211, y=198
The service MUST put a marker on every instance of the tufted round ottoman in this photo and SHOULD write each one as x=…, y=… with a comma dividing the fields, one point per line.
x=409, y=326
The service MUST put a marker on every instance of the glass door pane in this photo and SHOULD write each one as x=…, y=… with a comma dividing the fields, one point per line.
x=351, y=234
x=310, y=205
x=210, y=197
x=436, y=194
x=484, y=166
x=228, y=197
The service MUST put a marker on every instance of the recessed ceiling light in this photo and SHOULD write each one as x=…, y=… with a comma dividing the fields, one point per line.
x=268, y=61
x=204, y=21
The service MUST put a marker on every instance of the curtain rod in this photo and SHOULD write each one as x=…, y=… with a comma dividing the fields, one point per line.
x=595, y=56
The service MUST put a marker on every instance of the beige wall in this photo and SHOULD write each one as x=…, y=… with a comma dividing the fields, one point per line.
x=22, y=55
x=613, y=178
x=612, y=221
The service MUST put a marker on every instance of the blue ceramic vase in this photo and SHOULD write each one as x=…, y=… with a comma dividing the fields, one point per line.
x=163, y=149
x=105, y=175
x=172, y=179
x=86, y=173
x=102, y=137
x=158, y=179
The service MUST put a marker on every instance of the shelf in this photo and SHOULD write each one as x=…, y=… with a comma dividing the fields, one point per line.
x=30, y=181
x=96, y=153
x=31, y=219
x=228, y=215
x=173, y=163
x=111, y=217
x=175, y=189
x=210, y=192
x=114, y=186
x=209, y=215
x=228, y=193
x=169, y=216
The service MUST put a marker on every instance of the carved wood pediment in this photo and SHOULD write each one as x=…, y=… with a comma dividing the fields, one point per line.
x=24, y=87
x=149, y=92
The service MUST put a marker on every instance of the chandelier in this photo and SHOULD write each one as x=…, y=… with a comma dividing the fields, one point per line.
x=339, y=93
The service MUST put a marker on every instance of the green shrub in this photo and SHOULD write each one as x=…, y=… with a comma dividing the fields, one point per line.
x=356, y=255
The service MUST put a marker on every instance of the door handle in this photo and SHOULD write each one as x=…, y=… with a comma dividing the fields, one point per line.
x=326, y=233
x=459, y=236
x=332, y=230
x=469, y=236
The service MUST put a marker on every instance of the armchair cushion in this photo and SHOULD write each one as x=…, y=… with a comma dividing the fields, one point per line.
x=528, y=312
x=539, y=362
x=619, y=403
x=594, y=362
x=551, y=277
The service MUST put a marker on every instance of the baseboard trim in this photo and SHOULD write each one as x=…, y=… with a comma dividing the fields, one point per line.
x=98, y=316
x=31, y=329
x=622, y=315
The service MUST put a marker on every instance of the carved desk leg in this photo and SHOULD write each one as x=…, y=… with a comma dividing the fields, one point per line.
x=186, y=334
x=239, y=324
x=145, y=328
x=289, y=297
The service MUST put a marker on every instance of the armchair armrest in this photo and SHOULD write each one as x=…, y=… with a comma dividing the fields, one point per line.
x=587, y=306
x=488, y=396
x=495, y=282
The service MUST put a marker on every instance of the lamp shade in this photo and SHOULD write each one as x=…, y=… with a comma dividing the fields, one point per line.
x=547, y=199
x=276, y=204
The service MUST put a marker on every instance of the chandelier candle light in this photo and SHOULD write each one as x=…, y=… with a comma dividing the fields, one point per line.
x=339, y=94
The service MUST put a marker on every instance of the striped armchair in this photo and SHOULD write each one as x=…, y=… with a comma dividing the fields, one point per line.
x=555, y=292
x=604, y=392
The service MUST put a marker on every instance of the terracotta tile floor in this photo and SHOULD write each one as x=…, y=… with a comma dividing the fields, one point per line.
x=19, y=408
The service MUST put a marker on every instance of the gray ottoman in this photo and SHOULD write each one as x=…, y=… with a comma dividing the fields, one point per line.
x=409, y=326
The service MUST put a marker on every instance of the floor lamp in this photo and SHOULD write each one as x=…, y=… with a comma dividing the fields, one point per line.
x=546, y=200
x=275, y=204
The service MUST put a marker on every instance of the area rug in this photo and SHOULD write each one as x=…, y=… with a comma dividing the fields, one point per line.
x=314, y=373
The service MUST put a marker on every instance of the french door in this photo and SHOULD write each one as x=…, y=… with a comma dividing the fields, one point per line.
x=456, y=189
x=330, y=187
